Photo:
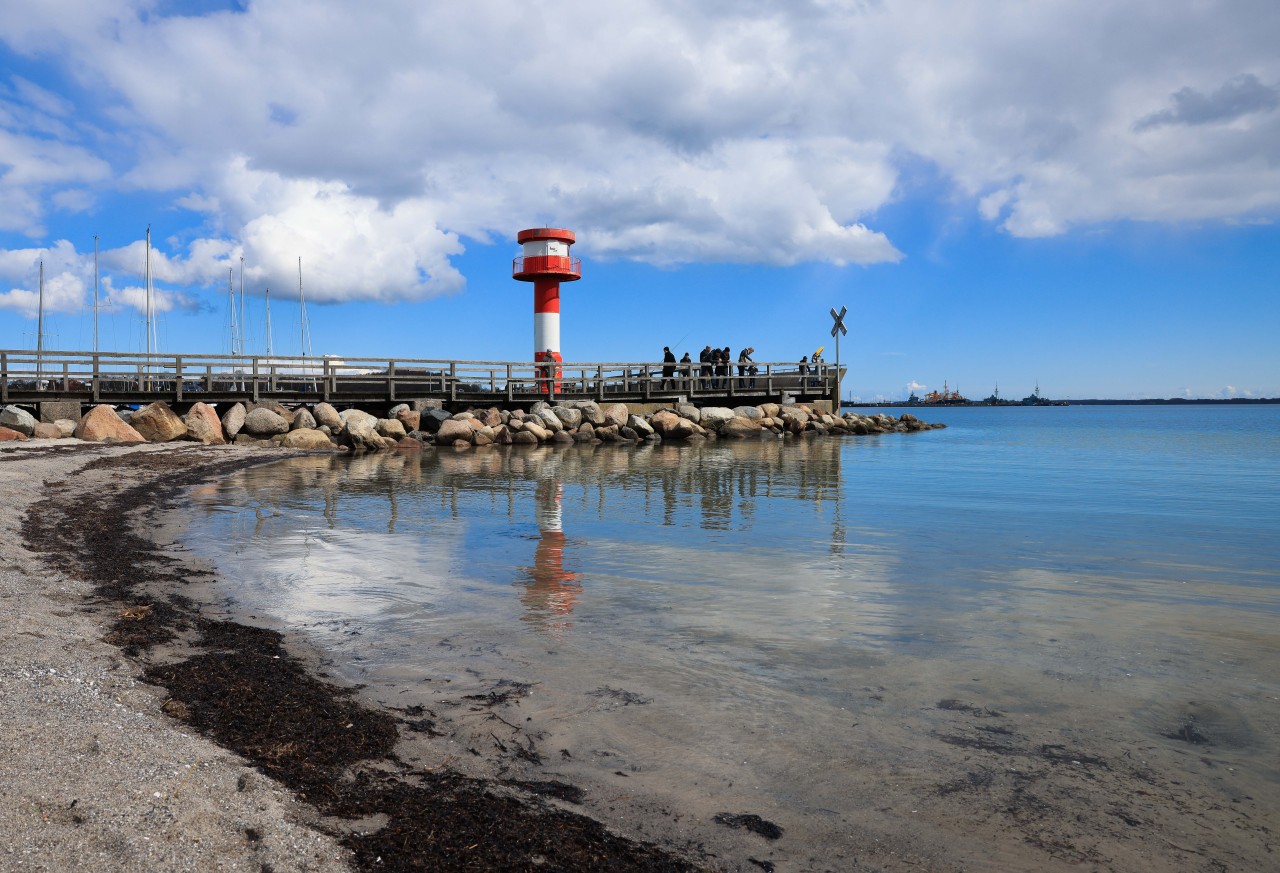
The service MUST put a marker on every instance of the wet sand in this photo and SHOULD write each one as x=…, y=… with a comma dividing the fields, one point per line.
x=940, y=766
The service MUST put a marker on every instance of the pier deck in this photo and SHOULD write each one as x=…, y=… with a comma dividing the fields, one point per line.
x=118, y=378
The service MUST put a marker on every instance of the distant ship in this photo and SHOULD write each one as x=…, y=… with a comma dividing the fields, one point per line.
x=945, y=397
x=1033, y=399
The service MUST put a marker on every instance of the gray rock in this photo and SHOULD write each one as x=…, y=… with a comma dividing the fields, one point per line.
x=592, y=412
x=394, y=412
x=66, y=427
x=571, y=418
x=262, y=422
x=552, y=421
x=639, y=425
x=18, y=419
x=684, y=410
x=302, y=420
x=714, y=416
x=752, y=412
x=432, y=419
x=359, y=429
x=233, y=421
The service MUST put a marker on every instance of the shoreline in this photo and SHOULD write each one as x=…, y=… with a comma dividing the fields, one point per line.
x=241, y=687
x=203, y=806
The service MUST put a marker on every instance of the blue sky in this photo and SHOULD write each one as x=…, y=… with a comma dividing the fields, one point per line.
x=999, y=193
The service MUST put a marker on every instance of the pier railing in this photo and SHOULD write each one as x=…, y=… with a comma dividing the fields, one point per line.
x=111, y=377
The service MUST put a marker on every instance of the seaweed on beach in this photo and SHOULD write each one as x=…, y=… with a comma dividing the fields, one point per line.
x=626, y=698
x=751, y=822
x=243, y=689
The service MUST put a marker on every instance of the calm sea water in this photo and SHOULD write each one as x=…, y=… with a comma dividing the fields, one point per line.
x=1084, y=567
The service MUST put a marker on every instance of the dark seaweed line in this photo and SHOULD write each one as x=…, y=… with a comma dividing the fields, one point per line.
x=246, y=692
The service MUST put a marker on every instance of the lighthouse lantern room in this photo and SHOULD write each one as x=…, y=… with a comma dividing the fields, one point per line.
x=546, y=263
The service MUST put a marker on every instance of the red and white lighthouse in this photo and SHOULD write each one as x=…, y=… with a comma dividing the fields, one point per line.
x=546, y=263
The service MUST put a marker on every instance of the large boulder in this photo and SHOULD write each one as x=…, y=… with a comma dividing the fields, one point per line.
x=454, y=429
x=158, y=423
x=534, y=426
x=670, y=426
x=616, y=414
x=263, y=423
x=591, y=412
x=359, y=429
x=326, y=415
x=18, y=419
x=432, y=419
x=66, y=427
x=390, y=427
x=740, y=427
x=549, y=419
x=752, y=412
x=714, y=416
x=233, y=421
x=46, y=430
x=306, y=438
x=410, y=418
x=274, y=406
x=639, y=425
x=571, y=418
x=7, y=434
x=203, y=425
x=101, y=424
x=684, y=410
x=303, y=420
x=770, y=410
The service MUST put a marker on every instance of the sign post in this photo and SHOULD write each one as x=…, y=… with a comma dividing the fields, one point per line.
x=837, y=330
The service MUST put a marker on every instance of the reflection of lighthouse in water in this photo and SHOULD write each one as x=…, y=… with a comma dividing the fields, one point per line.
x=550, y=590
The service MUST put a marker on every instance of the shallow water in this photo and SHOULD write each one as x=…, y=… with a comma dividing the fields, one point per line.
x=825, y=632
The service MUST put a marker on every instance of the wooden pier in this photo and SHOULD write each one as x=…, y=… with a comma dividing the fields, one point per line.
x=28, y=377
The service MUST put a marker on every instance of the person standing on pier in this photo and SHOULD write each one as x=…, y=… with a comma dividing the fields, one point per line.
x=687, y=370
x=668, y=368
x=704, y=370
x=744, y=362
x=725, y=368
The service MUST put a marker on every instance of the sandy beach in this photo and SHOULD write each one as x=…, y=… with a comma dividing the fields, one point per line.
x=104, y=770
x=95, y=775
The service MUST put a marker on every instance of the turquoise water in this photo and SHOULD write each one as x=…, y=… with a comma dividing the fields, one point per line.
x=1083, y=567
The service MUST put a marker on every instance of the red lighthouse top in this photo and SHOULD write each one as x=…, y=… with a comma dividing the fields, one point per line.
x=546, y=255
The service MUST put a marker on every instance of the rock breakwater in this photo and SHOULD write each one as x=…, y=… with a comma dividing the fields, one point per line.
x=321, y=426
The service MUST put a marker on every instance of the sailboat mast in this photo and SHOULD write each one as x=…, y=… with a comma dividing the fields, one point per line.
x=242, y=305
x=231, y=306
x=148, y=284
x=95, y=293
x=304, y=326
x=40, y=319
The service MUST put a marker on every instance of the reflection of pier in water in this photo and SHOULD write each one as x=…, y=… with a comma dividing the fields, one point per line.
x=713, y=487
